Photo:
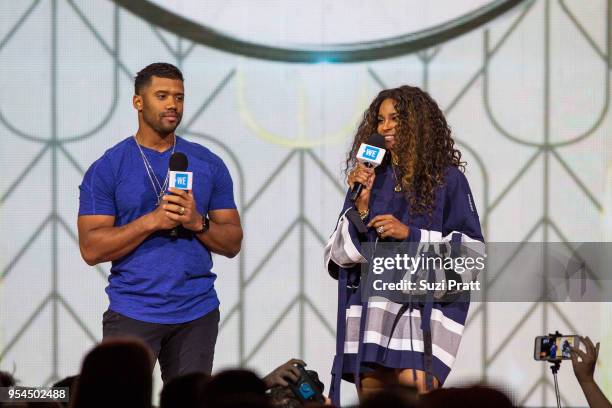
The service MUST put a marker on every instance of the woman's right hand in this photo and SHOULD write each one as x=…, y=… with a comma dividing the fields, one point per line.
x=363, y=175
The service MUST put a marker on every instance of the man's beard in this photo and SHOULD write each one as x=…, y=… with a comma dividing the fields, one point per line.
x=157, y=124
x=168, y=129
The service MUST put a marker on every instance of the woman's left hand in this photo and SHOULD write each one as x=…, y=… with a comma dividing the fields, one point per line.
x=388, y=226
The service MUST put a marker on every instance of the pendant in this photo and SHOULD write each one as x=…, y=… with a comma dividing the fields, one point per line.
x=398, y=188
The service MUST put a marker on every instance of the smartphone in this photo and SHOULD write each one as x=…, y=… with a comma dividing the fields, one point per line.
x=549, y=348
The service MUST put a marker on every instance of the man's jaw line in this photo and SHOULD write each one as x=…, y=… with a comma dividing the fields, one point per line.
x=152, y=138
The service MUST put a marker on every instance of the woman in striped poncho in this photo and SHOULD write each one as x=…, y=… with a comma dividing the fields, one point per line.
x=418, y=194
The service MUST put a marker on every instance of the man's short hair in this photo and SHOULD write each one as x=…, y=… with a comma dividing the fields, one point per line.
x=158, y=69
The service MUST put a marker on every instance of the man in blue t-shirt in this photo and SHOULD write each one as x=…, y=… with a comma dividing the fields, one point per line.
x=160, y=239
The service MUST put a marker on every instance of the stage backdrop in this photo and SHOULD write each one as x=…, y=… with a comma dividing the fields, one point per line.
x=525, y=87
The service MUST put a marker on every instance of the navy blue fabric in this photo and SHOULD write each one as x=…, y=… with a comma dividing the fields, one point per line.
x=388, y=358
x=337, y=369
x=453, y=210
x=162, y=280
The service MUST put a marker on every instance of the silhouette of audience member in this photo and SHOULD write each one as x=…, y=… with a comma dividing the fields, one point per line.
x=234, y=388
x=477, y=396
x=240, y=401
x=184, y=391
x=116, y=373
x=400, y=396
x=70, y=383
x=584, y=369
x=283, y=397
x=6, y=379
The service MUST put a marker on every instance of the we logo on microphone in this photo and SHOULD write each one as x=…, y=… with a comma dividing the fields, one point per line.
x=181, y=179
x=371, y=152
x=370, y=155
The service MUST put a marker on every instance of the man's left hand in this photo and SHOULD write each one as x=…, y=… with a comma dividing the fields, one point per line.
x=181, y=207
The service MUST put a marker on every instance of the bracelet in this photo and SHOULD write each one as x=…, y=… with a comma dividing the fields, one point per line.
x=364, y=214
x=205, y=225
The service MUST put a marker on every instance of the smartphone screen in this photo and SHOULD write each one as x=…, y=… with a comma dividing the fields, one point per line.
x=551, y=348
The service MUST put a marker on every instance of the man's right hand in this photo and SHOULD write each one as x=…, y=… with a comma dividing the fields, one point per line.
x=159, y=219
x=100, y=240
x=365, y=176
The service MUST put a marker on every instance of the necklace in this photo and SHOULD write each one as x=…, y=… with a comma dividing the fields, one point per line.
x=398, y=183
x=151, y=172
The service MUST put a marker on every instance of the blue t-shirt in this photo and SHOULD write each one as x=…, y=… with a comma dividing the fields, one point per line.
x=162, y=280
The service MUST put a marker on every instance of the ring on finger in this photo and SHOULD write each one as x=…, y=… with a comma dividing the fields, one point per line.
x=380, y=229
x=182, y=210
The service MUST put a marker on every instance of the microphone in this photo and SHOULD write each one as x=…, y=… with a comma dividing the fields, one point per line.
x=179, y=178
x=178, y=162
x=371, y=155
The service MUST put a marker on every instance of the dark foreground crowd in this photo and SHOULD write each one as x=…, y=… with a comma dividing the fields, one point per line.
x=117, y=374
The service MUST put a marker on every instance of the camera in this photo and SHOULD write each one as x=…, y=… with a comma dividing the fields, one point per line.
x=308, y=388
x=554, y=348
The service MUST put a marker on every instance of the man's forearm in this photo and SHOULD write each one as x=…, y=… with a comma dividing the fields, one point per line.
x=109, y=243
x=222, y=239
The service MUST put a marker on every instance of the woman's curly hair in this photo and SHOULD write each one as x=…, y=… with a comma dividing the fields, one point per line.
x=423, y=144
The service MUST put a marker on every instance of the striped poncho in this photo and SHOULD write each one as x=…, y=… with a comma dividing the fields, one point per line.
x=422, y=335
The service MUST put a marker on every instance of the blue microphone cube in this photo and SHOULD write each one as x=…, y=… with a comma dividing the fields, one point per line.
x=181, y=179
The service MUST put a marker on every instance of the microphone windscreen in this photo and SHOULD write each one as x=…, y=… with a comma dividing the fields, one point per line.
x=376, y=140
x=178, y=162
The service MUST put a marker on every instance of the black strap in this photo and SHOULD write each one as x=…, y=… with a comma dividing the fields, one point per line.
x=401, y=311
x=428, y=360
